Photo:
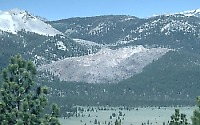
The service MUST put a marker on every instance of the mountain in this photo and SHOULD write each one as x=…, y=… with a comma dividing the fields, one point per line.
x=125, y=30
x=172, y=32
x=100, y=29
x=15, y=20
x=195, y=13
x=170, y=79
x=109, y=60
x=34, y=39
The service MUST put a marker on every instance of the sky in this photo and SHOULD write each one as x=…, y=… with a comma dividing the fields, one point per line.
x=62, y=9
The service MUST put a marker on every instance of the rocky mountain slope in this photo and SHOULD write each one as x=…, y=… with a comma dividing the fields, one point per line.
x=105, y=66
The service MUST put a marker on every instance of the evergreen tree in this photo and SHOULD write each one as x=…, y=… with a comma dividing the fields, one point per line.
x=118, y=122
x=178, y=119
x=22, y=102
x=196, y=114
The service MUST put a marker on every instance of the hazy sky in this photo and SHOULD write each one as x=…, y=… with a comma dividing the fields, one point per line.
x=61, y=9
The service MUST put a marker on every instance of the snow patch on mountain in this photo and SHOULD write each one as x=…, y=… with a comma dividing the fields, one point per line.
x=101, y=28
x=87, y=43
x=61, y=46
x=175, y=25
x=188, y=13
x=195, y=13
x=15, y=20
x=106, y=66
x=127, y=18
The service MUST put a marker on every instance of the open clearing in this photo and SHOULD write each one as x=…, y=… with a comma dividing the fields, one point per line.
x=134, y=116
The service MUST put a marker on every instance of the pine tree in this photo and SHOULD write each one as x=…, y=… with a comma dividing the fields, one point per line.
x=178, y=119
x=196, y=114
x=22, y=102
x=118, y=122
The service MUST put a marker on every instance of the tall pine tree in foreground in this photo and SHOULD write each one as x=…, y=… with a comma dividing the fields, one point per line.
x=21, y=101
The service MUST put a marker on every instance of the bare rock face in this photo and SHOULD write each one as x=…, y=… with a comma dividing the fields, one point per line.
x=106, y=66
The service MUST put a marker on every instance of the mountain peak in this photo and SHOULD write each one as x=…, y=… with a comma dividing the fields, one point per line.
x=192, y=11
x=16, y=19
x=197, y=10
x=17, y=11
x=195, y=13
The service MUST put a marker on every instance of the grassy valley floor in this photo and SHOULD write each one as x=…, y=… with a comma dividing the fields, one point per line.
x=134, y=116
